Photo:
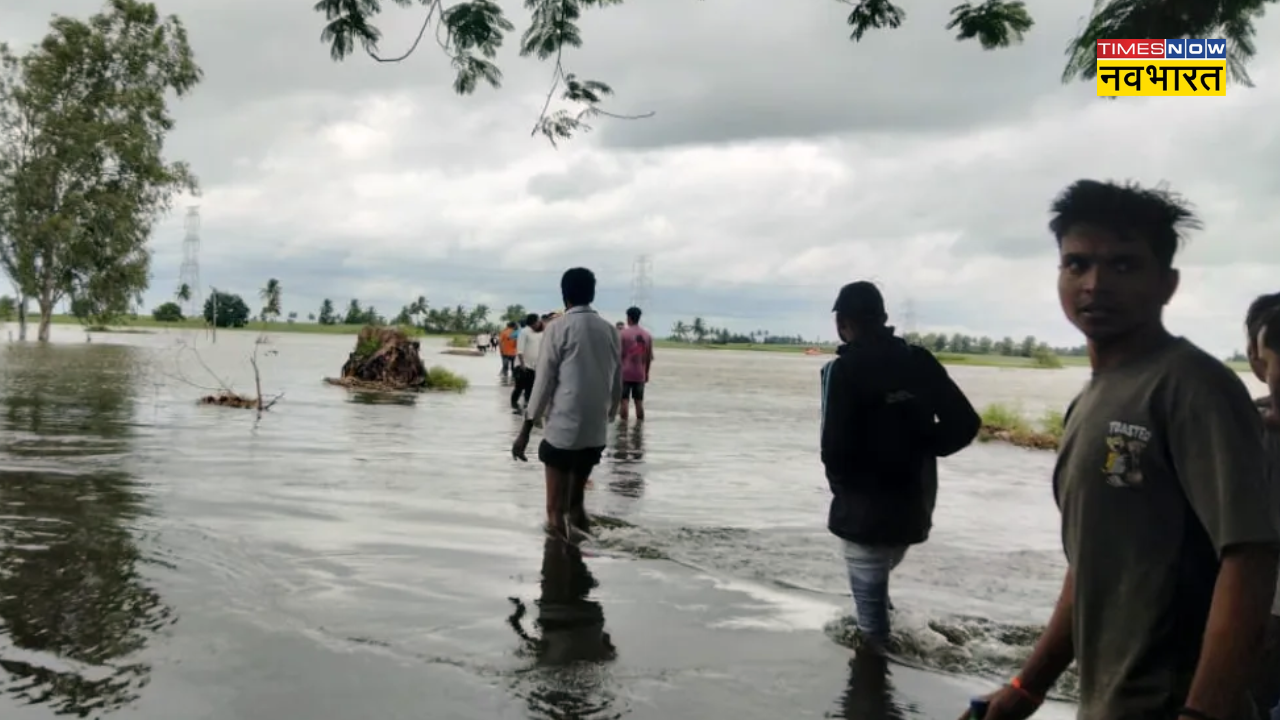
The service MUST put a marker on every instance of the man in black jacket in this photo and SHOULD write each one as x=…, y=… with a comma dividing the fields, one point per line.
x=889, y=411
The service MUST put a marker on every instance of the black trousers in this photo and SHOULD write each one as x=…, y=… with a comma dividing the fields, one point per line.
x=524, y=378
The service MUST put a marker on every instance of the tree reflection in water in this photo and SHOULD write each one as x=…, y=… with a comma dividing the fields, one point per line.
x=74, y=609
x=570, y=676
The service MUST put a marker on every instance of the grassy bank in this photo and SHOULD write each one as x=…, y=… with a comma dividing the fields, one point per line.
x=1007, y=423
x=141, y=323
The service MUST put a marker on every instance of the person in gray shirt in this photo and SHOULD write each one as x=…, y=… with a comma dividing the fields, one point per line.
x=578, y=389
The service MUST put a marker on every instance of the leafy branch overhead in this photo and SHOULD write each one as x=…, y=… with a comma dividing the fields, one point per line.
x=470, y=32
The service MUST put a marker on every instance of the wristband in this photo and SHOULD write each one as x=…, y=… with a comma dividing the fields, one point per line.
x=1016, y=684
x=1194, y=714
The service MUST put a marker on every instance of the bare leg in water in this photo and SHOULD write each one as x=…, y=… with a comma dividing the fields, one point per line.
x=558, y=494
x=577, y=503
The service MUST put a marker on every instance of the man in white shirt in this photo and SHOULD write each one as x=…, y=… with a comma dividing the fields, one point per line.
x=526, y=361
x=577, y=387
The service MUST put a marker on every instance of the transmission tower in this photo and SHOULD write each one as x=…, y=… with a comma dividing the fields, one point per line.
x=909, y=316
x=642, y=282
x=189, y=274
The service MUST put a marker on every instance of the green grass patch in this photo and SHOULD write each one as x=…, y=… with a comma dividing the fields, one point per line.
x=442, y=378
x=1007, y=423
x=461, y=341
x=125, y=324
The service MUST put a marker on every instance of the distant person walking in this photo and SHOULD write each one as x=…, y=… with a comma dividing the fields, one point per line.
x=482, y=342
x=889, y=411
x=637, y=357
x=1170, y=536
x=527, y=346
x=577, y=388
x=507, y=347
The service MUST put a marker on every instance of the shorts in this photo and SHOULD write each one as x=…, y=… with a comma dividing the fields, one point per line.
x=633, y=391
x=579, y=462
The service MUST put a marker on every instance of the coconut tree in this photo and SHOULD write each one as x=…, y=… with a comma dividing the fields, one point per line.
x=699, y=329
x=680, y=330
x=270, y=294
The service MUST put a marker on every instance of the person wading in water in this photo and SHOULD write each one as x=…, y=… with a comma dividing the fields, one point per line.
x=889, y=411
x=578, y=387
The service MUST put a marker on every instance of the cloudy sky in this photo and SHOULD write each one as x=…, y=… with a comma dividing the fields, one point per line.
x=782, y=161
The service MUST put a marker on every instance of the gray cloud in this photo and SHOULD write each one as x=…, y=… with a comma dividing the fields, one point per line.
x=783, y=160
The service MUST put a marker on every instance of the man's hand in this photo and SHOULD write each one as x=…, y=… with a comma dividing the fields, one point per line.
x=1008, y=703
x=521, y=444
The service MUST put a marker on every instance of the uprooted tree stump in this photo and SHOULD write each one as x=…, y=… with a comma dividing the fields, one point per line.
x=387, y=358
x=230, y=399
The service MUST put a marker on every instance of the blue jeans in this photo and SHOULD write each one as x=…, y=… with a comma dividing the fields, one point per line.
x=869, y=567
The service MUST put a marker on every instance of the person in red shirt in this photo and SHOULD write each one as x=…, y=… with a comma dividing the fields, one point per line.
x=637, y=357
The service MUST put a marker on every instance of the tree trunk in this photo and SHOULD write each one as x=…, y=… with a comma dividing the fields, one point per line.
x=46, y=319
x=22, y=318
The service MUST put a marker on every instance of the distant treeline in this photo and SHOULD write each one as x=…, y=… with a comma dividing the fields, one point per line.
x=698, y=331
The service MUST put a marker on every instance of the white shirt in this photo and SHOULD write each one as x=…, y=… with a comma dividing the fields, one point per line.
x=528, y=346
x=579, y=380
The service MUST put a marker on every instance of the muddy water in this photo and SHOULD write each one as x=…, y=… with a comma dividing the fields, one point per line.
x=360, y=556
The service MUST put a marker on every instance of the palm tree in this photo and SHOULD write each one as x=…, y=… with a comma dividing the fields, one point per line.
x=479, y=316
x=513, y=313
x=270, y=294
x=680, y=330
x=699, y=329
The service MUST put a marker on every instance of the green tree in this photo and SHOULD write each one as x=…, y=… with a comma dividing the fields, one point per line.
x=514, y=313
x=355, y=315
x=472, y=31
x=327, y=316
x=270, y=294
x=168, y=312
x=231, y=310
x=184, y=293
x=699, y=329
x=83, y=120
x=8, y=308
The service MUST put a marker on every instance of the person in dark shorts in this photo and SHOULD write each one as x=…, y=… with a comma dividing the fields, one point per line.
x=1264, y=361
x=577, y=388
x=637, y=359
x=1170, y=538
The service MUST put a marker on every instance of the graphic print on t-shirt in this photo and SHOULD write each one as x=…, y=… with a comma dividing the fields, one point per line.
x=1125, y=443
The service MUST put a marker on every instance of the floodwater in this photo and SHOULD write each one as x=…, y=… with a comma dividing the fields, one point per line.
x=354, y=556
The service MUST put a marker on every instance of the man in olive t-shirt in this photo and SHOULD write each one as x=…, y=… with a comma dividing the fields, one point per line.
x=1167, y=525
x=1160, y=469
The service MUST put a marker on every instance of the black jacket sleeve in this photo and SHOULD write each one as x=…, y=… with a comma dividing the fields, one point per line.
x=957, y=423
x=837, y=410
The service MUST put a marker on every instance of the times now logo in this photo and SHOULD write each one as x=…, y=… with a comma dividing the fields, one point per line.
x=1161, y=49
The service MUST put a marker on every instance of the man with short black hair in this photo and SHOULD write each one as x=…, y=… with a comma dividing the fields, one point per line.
x=578, y=387
x=889, y=411
x=527, y=345
x=1170, y=538
x=637, y=358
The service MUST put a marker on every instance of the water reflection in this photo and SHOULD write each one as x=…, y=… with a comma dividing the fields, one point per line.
x=626, y=461
x=74, y=608
x=570, y=676
x=869, y=694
